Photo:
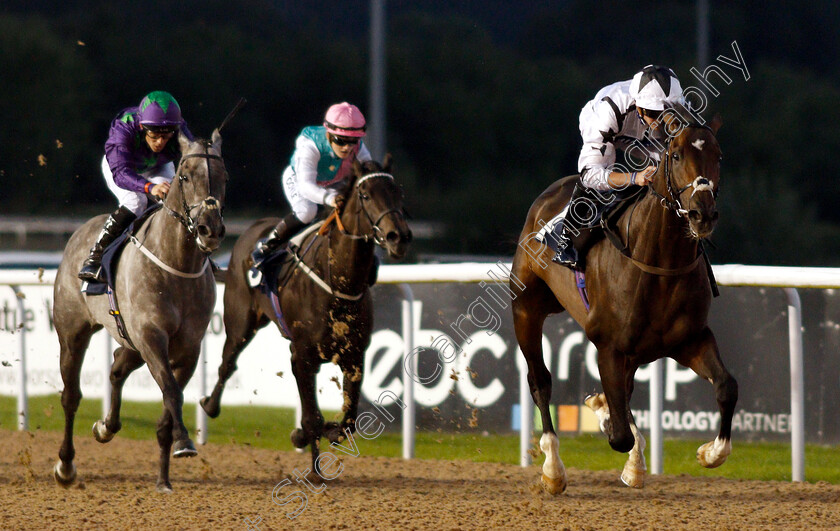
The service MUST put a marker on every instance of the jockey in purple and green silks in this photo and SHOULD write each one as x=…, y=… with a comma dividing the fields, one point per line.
x=321, y=162
x=138, y=161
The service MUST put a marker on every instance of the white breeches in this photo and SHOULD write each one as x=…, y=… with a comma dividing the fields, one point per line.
x=304, y=209
x=137, y=201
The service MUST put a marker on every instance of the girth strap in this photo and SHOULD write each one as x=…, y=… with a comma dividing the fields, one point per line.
x=165, y=267
x=318, y=280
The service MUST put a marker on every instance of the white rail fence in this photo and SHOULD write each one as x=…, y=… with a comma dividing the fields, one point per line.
x=786, y=278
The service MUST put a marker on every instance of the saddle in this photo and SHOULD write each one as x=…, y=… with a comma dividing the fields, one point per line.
x=110, y=257
x=608, y=207
x=274, y=263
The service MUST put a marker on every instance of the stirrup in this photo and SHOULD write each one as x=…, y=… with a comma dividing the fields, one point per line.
x=90, y=274
x=566, y=257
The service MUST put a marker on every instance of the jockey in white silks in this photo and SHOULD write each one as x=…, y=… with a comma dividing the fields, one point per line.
x=623, y=117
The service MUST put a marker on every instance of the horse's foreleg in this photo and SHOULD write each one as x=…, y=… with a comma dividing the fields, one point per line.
x=528, y=327
x=71, y=357
x=173, y=396
x=633, y=474
x=126, y=361
x=704, y=358
x=165, y=434
x=352, y=387
x=240, y=328
x=164, y=438
x=614, y=379
x=312, y=421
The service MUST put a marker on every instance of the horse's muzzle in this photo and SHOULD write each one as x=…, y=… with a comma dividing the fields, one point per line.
x=209, y=234
x=702, y=224
x=396, y=243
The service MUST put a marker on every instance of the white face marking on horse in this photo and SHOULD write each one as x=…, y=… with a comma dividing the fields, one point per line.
x=698, y=144
x=701, y=184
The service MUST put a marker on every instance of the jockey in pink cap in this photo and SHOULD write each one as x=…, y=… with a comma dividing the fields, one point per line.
x=320, y=164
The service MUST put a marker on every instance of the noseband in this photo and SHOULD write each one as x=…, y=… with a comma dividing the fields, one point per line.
x=209, y=203
x=700, y=184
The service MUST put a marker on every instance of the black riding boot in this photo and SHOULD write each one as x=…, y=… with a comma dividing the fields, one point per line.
x=569, y=227
x=114, y=226
x=285, y=229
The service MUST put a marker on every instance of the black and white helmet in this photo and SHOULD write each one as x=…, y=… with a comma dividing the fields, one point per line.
x=655, y=88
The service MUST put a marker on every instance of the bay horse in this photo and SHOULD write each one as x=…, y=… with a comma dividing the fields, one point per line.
x=649, y=305
x=165, y=293
x=323, y=301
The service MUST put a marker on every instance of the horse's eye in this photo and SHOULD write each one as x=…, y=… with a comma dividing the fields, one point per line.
x=183, y=178
x=675, y=156
x=364, y=196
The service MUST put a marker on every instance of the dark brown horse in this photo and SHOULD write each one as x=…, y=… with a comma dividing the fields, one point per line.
x=324, y=299
x=652, y=305
x=166, y=293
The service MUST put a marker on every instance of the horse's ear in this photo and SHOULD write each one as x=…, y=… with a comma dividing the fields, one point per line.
x=357, y=168
x=216, y=138
x=386, y=163
x=184, y=143
x=716, y=122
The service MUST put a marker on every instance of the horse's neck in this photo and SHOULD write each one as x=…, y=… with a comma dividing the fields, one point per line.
x=170, y=240
x=350, y=258
x=656, y=235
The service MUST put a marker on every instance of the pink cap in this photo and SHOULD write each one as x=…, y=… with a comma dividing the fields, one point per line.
x=344, y=119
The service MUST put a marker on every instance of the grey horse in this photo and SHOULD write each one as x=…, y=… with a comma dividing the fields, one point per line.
x=165, y=292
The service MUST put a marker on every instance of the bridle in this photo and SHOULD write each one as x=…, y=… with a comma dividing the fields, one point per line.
x=209, y=202
x=376, y=235
x=700, y=184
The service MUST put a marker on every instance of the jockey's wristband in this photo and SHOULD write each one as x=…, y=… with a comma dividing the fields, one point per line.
x=148, y=187
x=633, y=178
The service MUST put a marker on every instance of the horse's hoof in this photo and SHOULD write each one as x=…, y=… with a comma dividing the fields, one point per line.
x=298, y=438
x=554, y=486
x=164, y=488
x=101, y=432
x=64, y=478
x=212, y=410
x=184, y=448
x=335, y=435
x=595, y=401
x=633, y=479
x=714, y=453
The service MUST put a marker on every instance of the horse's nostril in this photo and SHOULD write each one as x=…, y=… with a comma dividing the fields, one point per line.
x=204, y=230
x=695, y=216
x=393, y=236
x=222, y=232
x=715, y=215
x=408, y=237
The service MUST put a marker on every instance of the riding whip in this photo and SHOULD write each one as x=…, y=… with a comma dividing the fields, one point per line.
x=232, y=113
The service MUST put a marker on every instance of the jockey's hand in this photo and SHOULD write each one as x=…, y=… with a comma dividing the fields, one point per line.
x=644, y=177
x=160, y=190
x=336, y=202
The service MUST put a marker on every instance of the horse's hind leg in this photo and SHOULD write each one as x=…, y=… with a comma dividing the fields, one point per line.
x=703, y=357
x=126, y=361
x=240, y=326
x=530, y=309
x=73, y=346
